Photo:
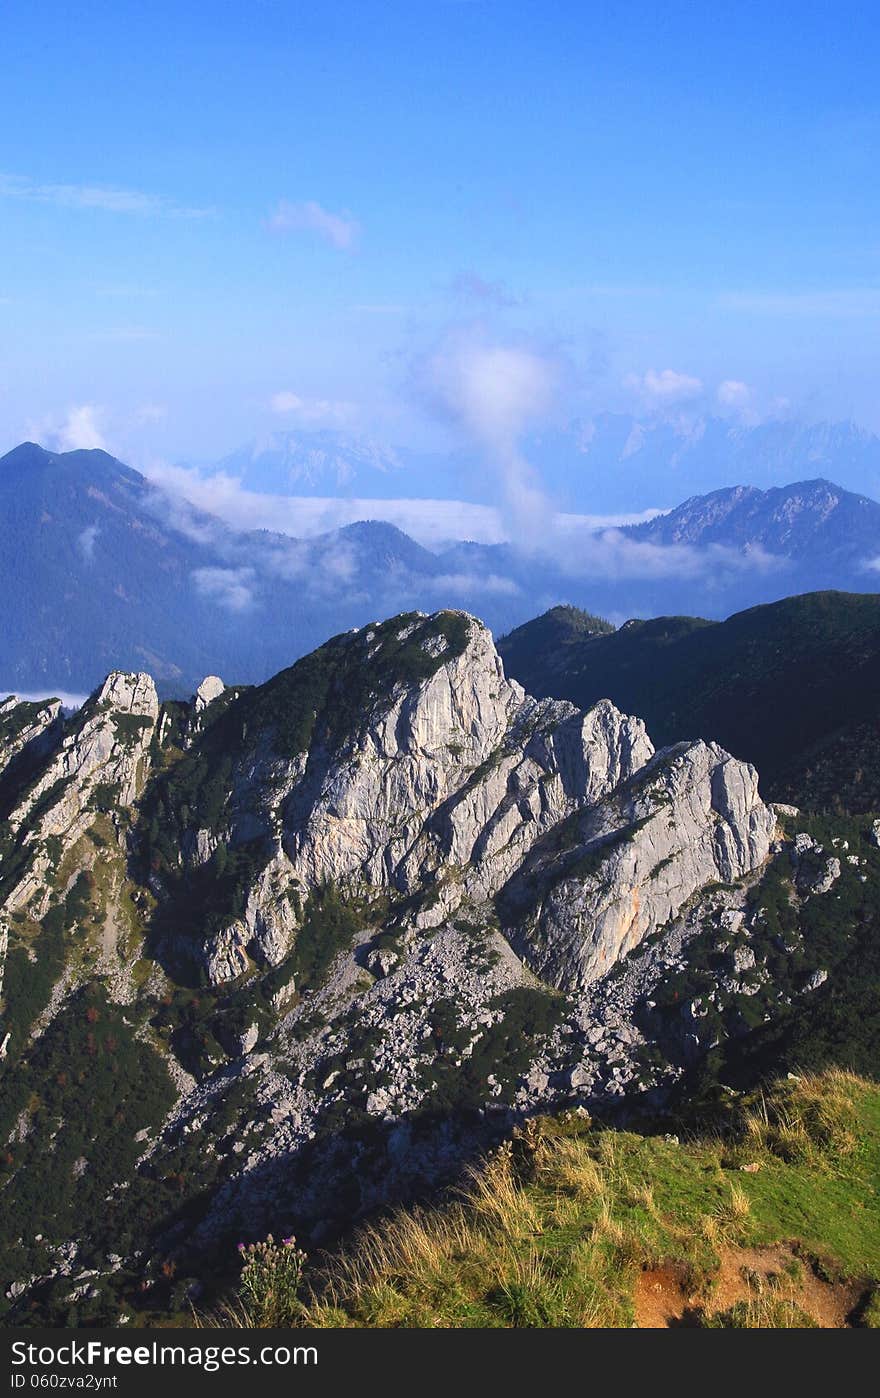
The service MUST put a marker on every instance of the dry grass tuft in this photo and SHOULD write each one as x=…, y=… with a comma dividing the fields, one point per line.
x=809, y=1119
x=555, y=1228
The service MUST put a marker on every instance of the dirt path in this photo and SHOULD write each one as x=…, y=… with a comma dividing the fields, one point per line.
x=664, y=1296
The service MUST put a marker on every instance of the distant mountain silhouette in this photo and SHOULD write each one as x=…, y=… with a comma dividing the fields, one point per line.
x=100, y=570
x=612, y=463
x=806, y=521
x=617, y=462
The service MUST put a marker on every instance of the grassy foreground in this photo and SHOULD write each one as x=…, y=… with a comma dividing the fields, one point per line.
x=774, y=1222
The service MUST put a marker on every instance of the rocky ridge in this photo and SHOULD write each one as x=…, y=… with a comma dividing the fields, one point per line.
x=403, y=887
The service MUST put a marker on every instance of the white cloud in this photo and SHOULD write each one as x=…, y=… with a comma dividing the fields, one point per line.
x=609, y=555
x=340, y=230
x=660, y=388
x=311, y=410
x=465, y=584
x=739, y=399
x=86, y=196
x=85, y=542
x=732, y=393
x=228, y=587
x=583, y=547
x=68, y=700
x=432, y=523
x=494, y=391
x=634, y=442
x=80, y=431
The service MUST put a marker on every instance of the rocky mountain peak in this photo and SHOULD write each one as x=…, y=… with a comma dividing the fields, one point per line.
x=399, y=760
x=126, y=693
x=100, y=755
x=321, y=904
x=210, y=689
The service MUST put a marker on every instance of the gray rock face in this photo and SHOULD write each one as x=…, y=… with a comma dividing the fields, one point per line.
x=481, y=847
x=106, y=744
x=825, y=878
x=104, y=747
x=691, y=817
x=27, y=728
x=4, y=948
x=365, y=807
x=814, y=872
x=226, y=955
x=210, y=689
x=458, y=786
x=450, y=786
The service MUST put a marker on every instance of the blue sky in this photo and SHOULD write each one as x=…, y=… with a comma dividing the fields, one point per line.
x=218, y=218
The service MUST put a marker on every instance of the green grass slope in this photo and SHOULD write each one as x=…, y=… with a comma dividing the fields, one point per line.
x=772, y=1222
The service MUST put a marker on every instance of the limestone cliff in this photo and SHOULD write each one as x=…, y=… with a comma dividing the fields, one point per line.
x=385, y=881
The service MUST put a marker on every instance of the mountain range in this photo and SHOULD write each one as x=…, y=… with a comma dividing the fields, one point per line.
x=100, y=570
x=610, y=464
x=283, y=955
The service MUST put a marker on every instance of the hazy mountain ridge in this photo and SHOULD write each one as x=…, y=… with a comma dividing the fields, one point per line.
x=323, y=462
x=615, y=459
x=102, y=570
x=797, y=521
x=611, y=463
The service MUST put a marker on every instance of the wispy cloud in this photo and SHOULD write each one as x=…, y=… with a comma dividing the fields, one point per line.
x=68, y=700
x=108, y=199
x=470, y=286
x=311, y=411
x=740, y=400
x=610, y=555
x=574, y=550
x=662, y=387
x=494, y=390
x=733, y=393
x=80, y=430
x=432, y=523
x=231, y=588
x=845, y=303
x=340, y=230
x=85, y=542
